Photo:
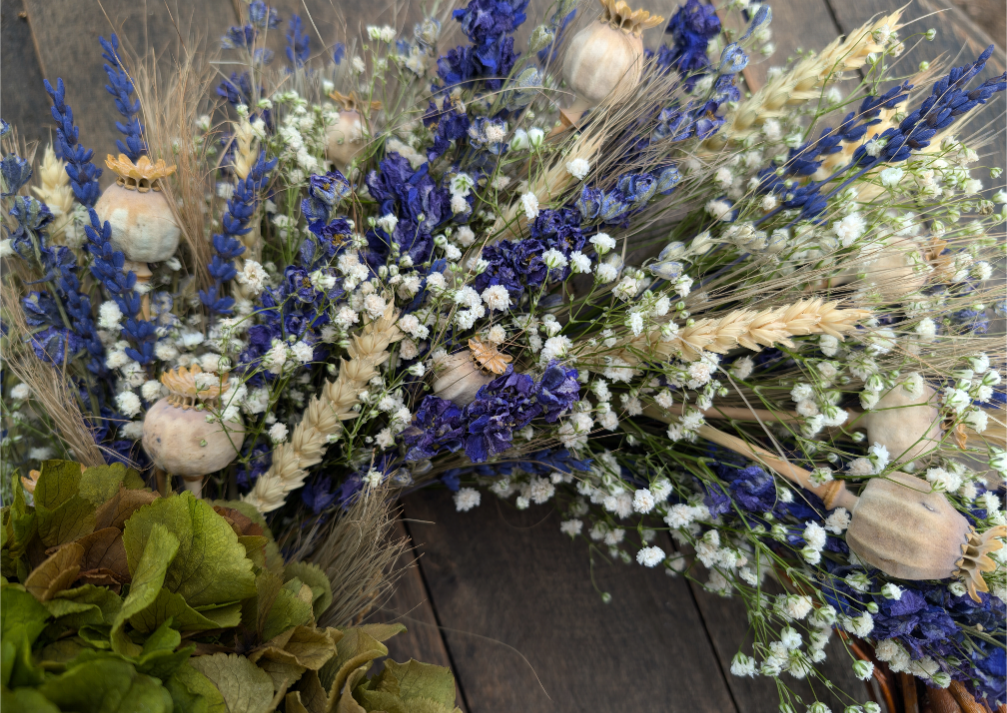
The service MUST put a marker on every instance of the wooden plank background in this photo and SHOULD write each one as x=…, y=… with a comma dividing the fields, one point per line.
x=500, y=596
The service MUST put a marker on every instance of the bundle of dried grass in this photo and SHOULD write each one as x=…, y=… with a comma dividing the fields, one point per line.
x=171, y=107
x=358, y=552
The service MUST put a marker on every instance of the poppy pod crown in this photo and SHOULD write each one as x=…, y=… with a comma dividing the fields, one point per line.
x=185, y=389
x=141, y=176
x=620, y=16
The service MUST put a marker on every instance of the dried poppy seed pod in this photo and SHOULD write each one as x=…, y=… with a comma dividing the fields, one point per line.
x=905, y=529
x=606, y=57
x=143, y=226
x=458, y=378
x=908, y=426
x=344, y=140
x=178, y=438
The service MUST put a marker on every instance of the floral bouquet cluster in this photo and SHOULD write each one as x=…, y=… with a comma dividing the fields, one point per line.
x=591, y=273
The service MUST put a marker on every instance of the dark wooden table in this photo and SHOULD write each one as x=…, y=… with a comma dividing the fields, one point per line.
x=500, y=596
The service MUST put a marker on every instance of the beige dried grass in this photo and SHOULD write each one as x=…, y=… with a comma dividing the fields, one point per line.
x=323, y=418
x=359, y=553
x=171, y=105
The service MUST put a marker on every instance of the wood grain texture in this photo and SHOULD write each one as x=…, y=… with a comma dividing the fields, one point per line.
x=528, y=632
x=958, y=41
x=410, y=605
x=797, y=25
x=24, y=102
x=66, y=34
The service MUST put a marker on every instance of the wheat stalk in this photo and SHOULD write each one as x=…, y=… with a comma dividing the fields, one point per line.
x=746, y=328
x=803, y=82
x=55, y=192
x=325, y=413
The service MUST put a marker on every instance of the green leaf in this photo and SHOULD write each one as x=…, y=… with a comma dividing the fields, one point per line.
x=169, y=605
x=354, y=650
x=107, y=601
x=193, y=692
x=64, y=650
x=161, y=548
x=106, y=685
x=292, y=607
x=58, y=483
x=314, y=577
x=20, y=611
x=413, y=679
x=121, y=507
x=211, y=566
x=8, y=654
x=283, y=675
x=99, y=484
x=304, y=646
x=347, y=704
x=55, y=573
x=67, y=522
x=244, y=686
x=26, y=700
x=22, y=519
x=98, y=636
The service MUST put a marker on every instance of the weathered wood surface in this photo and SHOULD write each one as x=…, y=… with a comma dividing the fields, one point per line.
x=500, y=596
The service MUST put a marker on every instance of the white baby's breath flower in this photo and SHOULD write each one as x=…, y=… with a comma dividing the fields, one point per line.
x=578, y=168
x=529, y=203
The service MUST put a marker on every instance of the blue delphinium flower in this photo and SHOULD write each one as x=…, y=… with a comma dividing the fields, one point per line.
x=438, y=427
x=692, y=27
x=419, y=205
x=504, y=405
x=451, y=126
x=488, y=25
x=120, y=86
x=324, y=193
x=298, y=43
x=558, y=390
x=83, y=174
x=519, y=265
x=240, y=209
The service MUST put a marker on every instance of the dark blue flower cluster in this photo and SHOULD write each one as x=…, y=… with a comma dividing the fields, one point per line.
x=692, y=27
x=324, y=194
x=226, y=245
x=519, y=265
x=488, y=25
x=451, y=126
x=260, y=17
x=83, y=174
x=120, y=86
x=928, y=620
x=415, y=199
x=298, y=43
x=486, y=426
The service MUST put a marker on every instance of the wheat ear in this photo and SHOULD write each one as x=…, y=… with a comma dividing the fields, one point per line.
x=325, y=413
x=803, y=82
x=55, y=192
x=746, y=328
